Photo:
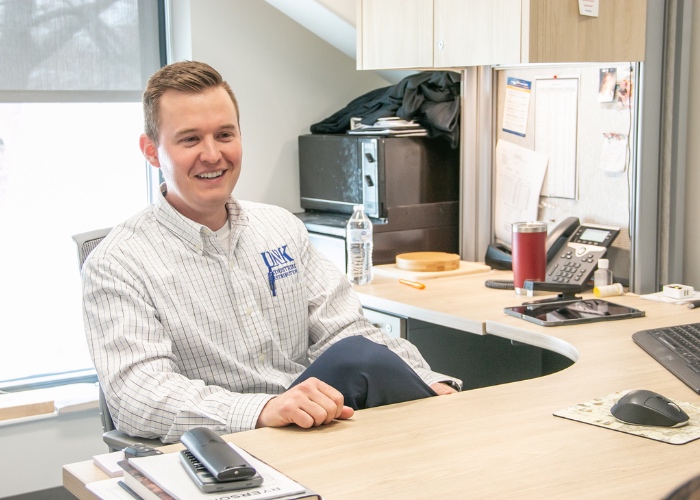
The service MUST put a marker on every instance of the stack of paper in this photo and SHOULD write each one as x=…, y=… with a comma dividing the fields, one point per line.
x=390, y=126
x=163, y=477
x=109, y=462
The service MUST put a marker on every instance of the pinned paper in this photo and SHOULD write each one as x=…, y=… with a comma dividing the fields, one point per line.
x=517, y=106
x=613, y=155
x=608, y=84
x=519, y=176
x=588, y=8
x=624, y=87
x=556, y=121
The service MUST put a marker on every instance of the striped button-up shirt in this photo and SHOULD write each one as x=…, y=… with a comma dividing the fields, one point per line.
x=184, y=333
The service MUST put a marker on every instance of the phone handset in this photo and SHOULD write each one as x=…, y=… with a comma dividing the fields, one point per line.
x=222, y=461
x=558, y=237
x=575, y=261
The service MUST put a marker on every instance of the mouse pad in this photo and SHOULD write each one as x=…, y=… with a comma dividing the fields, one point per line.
x=597, y=412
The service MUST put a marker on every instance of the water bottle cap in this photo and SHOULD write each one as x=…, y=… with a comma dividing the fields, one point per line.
x=359, y=208
x=603, y=263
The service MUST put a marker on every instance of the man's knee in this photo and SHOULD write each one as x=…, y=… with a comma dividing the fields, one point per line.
x=358, y=354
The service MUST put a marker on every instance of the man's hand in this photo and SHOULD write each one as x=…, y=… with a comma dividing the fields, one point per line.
x=308, y=404
x=442, y=389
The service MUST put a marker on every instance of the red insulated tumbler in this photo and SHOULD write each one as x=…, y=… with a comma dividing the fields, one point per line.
x=529, y=253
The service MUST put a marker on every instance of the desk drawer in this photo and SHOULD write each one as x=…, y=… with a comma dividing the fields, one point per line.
x=333, y=247
x=393, y=326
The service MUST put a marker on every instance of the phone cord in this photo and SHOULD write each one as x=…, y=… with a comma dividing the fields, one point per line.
x=500, y=284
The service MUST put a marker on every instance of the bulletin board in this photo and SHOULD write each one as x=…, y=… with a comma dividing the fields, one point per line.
x=579, y=119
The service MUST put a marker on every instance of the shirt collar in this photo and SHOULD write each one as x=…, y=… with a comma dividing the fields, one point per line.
x=193, y=233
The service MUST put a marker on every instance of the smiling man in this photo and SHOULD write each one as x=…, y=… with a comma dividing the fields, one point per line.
x=204, y=310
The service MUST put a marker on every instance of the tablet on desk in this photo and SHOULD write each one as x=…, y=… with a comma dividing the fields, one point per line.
x=569, y=312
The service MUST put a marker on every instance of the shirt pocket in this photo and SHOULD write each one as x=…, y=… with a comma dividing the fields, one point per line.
x=286, y=310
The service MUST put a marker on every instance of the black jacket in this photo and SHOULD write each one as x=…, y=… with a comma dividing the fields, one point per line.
x=431, y=98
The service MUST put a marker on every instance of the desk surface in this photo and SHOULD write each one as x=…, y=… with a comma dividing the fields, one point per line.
x=493, y=442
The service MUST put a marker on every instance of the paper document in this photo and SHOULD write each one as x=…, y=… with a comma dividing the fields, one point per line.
x=391, y=125
x=588, y=7
x=109, y=489
x=108, y=462
x=519, y=176
x=556, y=119
x=517, y=106
x=613, y=155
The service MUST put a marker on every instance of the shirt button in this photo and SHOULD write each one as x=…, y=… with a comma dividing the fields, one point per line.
x=249, y=310
x=262, y=357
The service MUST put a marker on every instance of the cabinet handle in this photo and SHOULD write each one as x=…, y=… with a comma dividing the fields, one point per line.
x=385, y=327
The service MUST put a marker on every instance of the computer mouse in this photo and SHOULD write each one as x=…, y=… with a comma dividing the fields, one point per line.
x=644, y=407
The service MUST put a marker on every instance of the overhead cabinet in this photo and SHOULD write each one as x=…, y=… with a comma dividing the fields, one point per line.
x=422, y=34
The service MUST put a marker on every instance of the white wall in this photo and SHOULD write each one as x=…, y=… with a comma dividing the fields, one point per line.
x=285, y=79
x=691, y=259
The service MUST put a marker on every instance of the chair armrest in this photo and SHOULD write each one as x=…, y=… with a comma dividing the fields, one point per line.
x=117, y=440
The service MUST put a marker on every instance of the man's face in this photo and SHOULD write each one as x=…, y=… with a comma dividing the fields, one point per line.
x=199, y=153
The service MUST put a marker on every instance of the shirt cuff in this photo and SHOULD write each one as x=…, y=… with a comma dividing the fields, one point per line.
x=430, y=377
x=246, y=411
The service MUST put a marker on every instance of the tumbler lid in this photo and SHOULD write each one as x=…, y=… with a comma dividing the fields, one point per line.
x=530, y=227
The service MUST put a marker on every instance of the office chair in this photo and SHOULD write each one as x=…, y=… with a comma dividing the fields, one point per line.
x=115, y=440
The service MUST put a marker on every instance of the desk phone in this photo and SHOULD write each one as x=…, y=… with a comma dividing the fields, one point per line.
x=576, y=261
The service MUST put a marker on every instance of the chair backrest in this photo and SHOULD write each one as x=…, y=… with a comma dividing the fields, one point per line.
x=87, y=242
x=115, y=440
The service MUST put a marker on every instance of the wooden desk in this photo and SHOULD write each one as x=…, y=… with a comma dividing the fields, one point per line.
x=495, y=442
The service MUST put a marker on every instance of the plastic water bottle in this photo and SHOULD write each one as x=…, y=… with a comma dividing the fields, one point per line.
x=359, y=245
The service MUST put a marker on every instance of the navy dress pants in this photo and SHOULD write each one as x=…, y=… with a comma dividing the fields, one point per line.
x=367, y=374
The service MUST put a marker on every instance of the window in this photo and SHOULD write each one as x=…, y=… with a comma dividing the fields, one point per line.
x=70, y=118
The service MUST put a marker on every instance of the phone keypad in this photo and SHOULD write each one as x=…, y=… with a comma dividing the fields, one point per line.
x=579, y=257
x=568, y=272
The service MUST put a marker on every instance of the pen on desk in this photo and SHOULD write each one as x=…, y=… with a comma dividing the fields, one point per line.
x=692, y=304
x=414, y=284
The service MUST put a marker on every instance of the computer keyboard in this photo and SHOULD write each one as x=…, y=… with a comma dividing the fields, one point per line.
x=677, y=348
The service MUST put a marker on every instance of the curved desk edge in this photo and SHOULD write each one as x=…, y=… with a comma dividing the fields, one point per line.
x=532, y=338
x=423, y=314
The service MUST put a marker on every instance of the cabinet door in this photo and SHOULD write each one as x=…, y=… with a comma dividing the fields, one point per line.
x=558, y=33
x=396, y=34
x=477, y=32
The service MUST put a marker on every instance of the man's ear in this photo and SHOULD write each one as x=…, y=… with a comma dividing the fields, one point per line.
x=149, y=150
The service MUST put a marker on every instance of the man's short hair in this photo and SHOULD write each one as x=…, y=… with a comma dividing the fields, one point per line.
x=184, y=76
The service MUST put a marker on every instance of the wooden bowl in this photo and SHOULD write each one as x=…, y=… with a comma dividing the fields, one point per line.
x=427, y=261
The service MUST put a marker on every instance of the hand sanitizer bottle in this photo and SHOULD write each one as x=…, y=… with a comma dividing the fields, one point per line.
x=603, y=275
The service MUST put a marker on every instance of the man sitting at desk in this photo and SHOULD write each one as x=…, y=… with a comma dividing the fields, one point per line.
x=204, y=310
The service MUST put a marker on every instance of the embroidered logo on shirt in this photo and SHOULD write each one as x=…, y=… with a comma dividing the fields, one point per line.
x=279, y=265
